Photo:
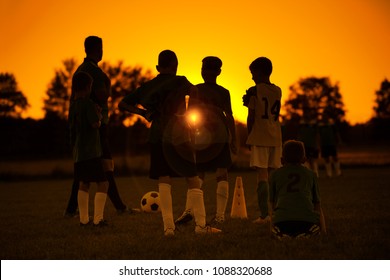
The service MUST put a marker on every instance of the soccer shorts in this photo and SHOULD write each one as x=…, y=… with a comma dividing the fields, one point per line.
x=265, y=157
x=294, y=229
x=89, y=171
x=172, y=160
x=215, y=156
x=328, y=151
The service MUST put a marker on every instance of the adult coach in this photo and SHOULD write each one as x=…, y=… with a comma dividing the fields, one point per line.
x=101, y=91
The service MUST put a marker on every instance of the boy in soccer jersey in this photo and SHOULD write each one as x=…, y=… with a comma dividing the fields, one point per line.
x=294, y=196
x=215, y=136
x=329, y=139
x=101, y=91
x=264, y=131
x=163, y=99
x=85, y=120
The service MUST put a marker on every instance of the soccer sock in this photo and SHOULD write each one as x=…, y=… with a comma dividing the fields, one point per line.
x=83, y=199
x=100, y=202
x=262, y=198
x=222, y=198
x=166, y=205
x=328, y=168
x=199, y=211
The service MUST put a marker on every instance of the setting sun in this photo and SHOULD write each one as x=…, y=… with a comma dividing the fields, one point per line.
x=346, y=41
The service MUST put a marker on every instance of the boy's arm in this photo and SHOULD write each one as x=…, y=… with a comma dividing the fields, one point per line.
x=250, y=120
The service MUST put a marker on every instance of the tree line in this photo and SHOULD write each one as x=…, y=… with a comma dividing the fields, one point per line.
x=310, y=98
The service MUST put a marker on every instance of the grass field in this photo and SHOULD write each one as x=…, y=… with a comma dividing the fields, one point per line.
x=356, y=207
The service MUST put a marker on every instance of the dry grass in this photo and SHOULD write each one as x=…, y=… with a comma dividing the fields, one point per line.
x=32, y=225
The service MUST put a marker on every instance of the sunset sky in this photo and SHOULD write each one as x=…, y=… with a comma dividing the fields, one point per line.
x=346, y=40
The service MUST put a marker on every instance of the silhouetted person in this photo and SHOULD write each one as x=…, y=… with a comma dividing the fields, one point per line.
x=85, y=120
x=294, y=197
x=264, y=130
x=215, y=136
x=164, y=100
x=101, y=91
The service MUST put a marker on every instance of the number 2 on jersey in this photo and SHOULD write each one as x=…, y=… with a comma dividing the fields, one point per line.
x=275, y=109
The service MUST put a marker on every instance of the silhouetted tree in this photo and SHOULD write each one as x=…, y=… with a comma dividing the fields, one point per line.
x=382, y=107
x=312, y=98
x=59, y=90
x=380, y=123
x=12, y=100
x=124, y=79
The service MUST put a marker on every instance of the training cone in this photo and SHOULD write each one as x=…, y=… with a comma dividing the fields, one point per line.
x=239, y=206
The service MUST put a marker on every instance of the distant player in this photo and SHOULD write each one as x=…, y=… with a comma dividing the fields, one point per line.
x=215, y=138
x=294, y=197
x=85, y=120
x=163, y=100
x=264, y=131
x=329, y=139
x=308, y=134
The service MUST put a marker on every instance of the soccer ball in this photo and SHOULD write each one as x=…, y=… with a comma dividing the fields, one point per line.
x=150, y=202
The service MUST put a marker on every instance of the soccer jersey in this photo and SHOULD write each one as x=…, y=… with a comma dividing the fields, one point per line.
x=82, y=114
x=266, y=130
x=294, y=191
x=308, y=134
x=214, y=104
x=165, y=97
x=101, y=85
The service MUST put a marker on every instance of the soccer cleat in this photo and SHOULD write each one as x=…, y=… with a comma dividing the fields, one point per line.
x=206, y=229
x=169, y=232
x=184, y=218
x=71, y=214
x=217, y=221
x=85, y=225
x=262, y=221
x=102, y=223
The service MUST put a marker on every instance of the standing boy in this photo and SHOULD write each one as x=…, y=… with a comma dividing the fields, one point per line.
x=295, y=205
x=216, y=136
x=171, y=153
x=85, y=120
x=264, y=131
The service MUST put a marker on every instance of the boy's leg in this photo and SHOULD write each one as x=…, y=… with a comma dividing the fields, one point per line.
x=262, y=195
x=100, y=202
x=164, y=187
x=222, y=194
x=112, y=192
x=71, y=209
x=83, y=199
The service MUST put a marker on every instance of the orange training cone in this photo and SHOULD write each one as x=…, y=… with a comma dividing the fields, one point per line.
x=239, y=206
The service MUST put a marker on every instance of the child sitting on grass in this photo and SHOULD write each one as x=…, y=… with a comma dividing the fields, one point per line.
x=294, y=198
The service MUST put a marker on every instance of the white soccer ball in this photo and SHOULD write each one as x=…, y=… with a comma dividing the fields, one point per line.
x=150, y=202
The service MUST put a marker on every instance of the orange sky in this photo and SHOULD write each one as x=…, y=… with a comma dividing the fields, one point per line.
x=345, y=40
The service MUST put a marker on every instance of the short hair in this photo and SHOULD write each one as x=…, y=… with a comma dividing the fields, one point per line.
x=293, y=151
x=262, y=65
x=212, y=63
x=166, y=58
x=92, y=43
x=80, y=81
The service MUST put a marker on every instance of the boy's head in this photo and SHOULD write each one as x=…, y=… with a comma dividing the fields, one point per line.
x=93, y=46
x=167, y=62
x=81, y=84
x=211, y=68
x=260, y=68
x=293, y=152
